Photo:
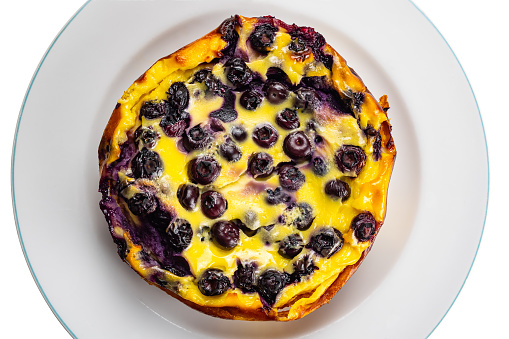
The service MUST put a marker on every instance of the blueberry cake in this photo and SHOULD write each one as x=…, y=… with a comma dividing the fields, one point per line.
x=246, y=174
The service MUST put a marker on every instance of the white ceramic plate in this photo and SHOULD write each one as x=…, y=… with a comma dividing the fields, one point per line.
x=437, y=197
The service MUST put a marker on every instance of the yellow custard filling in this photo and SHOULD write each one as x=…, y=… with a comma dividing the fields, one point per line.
x=246, y=195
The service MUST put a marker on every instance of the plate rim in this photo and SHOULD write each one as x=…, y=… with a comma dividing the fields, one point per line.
x=20, y=115
x=13, y=158
x=487, y=162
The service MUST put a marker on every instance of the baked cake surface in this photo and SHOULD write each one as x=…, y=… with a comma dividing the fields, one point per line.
x=246, y=174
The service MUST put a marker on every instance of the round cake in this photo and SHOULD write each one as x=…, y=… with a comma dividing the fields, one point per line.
x=246, y=174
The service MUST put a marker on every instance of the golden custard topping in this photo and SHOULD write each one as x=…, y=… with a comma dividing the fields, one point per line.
x=246, y=174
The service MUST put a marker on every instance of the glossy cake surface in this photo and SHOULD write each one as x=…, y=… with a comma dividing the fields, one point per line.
x=246, y=174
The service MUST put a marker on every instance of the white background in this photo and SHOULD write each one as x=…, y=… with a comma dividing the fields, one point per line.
x=478, y=33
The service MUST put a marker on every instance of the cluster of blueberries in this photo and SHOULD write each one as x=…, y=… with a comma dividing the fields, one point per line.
x=269, y=283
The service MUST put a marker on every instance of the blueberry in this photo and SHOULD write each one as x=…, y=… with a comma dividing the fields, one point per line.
x=297, y=45
x=307, y=99
x=291, y=178
x=146, y=137
x=337, y=189
x=262, y=37
x=228, y=32
x=320, y=166
x=203, y=170
x=237, y=72
x=326, y=242
x=147, y=164
x=290, y=246
x=244, y=277
x=201, y=75
x=142, y=203
x=270, y=283
x=250, y=100
x=175, y=122
x=178, y=95
x=196, y=138
x=213, y=204
x=364, y=226
x=239, y=133
x=288, y=119
x=370, y=131
x=275, y=92
x=154, y=109
x=225, y=234
x=277, y=74
x=265, y=135
x=213, y=282
x=215, y=86
x=180, y=234
x=350, y=159
x=306, y=217
x=277, y=196
x=302, y=267
x=297, y=146
x=160, y=218
x=230, y=151
x=188, y=196
x=260, y=165
x=247, y=231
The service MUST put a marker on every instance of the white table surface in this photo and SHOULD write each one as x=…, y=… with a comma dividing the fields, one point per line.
x=477, y=31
